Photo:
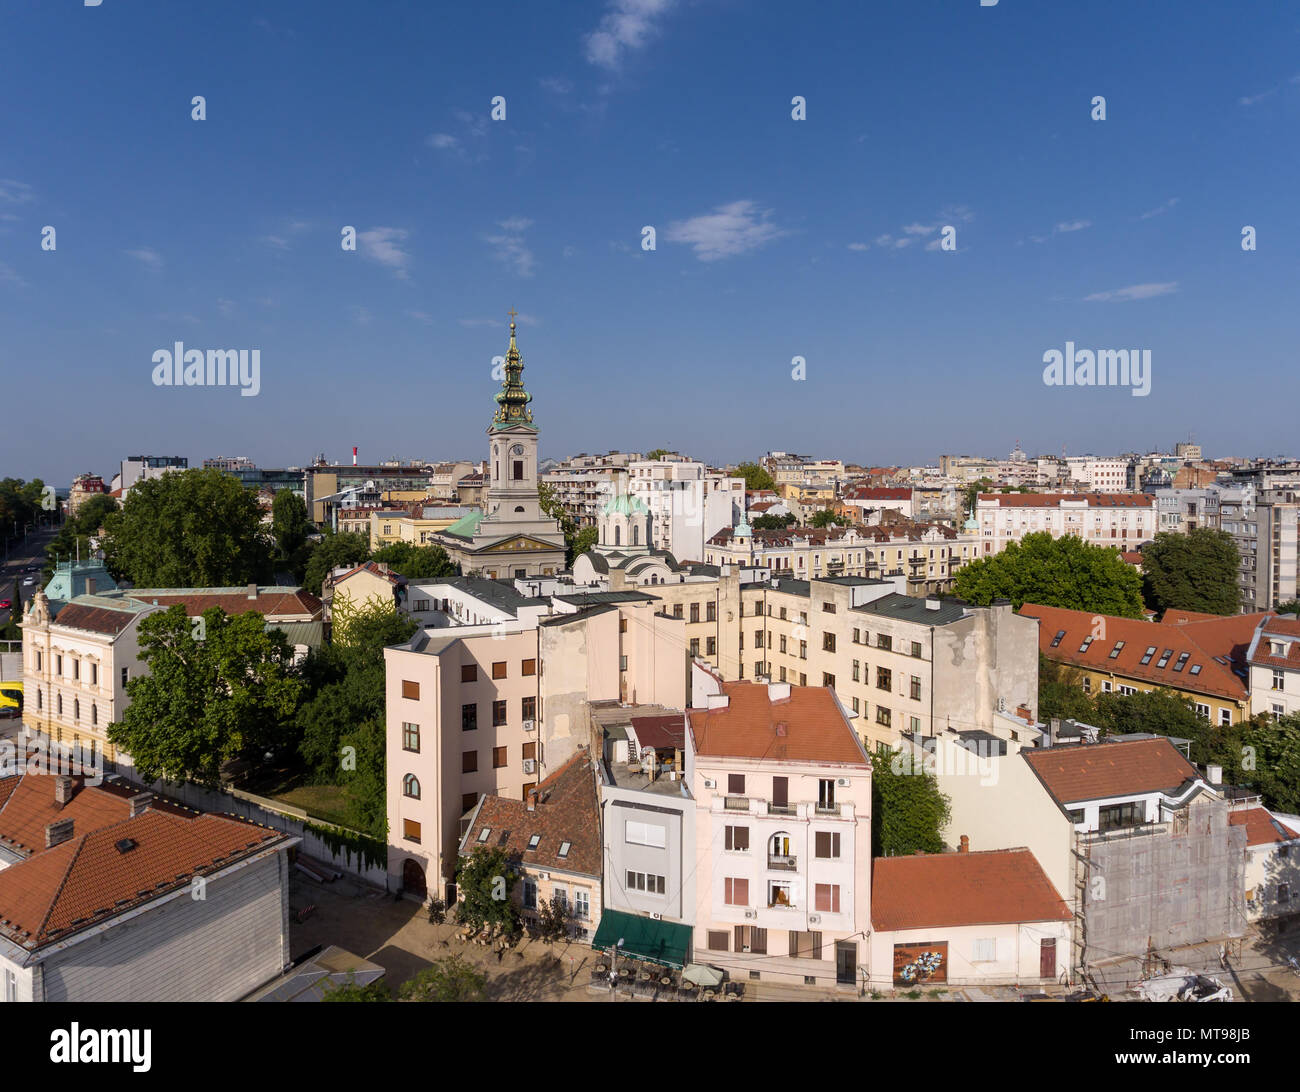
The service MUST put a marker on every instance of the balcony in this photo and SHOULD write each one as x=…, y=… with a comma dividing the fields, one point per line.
x=736, y=803
x=779, y=863
x=827, y=809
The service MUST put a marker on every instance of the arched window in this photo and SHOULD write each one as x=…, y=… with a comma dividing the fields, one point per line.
x=778, y=847
x=59, y=704
x=411, y=786
x=636, y=535
x=76, y=709
x=618, y=535
x=38, y=699
x=520, y=508
x=94, y=713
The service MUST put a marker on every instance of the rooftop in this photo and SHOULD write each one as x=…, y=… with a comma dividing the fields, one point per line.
x=1100, y=771
x=806, y=726
x=1261, y=828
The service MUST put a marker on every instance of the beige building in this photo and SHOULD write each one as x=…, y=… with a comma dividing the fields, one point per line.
x=1272, y=862
x=1122, y=520
x=418, y=526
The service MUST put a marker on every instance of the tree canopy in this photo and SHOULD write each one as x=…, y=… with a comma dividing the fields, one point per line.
x=416, y=562
x=755, y=476
x=218, y=687
x=188, y=529
x=74, y=536
x=1196, y=571
x=484, y=882
x=827, y=517
x=290, y=527
x=908, y=812
x=1054, y=572
x=451, y=978
x=332, y=552
x=772, y=523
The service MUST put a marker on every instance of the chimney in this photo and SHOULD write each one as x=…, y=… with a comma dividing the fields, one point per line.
x=1054, y=730
x=140, y=803
x=932, y=604
x=965, y=845
x=252, y=591
x=1214, y=774
x=90, y=585
x=63, y=789
x=532, y=800
x=58, y=832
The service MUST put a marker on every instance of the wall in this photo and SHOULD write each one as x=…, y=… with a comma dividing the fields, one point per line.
x=1017, y=948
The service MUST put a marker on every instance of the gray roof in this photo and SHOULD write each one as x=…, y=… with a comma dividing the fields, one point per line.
x=497, y=592
x=792, y=586
x=908, y=608
x=577, y=616
x=593, y=598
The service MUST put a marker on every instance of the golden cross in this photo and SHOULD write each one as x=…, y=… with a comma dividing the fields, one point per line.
x=512, y=315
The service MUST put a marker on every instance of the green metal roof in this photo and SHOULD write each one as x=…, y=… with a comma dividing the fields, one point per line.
x=663, y=942
x=625, y=504
x=466, y=526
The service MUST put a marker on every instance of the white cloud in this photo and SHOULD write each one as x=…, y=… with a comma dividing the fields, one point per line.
x=934, y=244
x=859, y=246
x=475, y=323
x=728, y=230
x=555, y=84
x=627, y=25
x=278, y=242
x=149, y=257
x=1250, y=100
x=225, y=306
x=1133, y=292
x=15, y=192
x=920, y=229
x=421, y=316
x=1159, y=210
x=511, y=249
x=569, y=251
x=442, y=141
x=383, y=245
x=1071, y=225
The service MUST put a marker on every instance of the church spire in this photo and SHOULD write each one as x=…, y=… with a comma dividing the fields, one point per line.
x=512, y=400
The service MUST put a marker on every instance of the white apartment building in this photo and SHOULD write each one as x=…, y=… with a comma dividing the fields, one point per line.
x=1274, y=662
x=688, y=504
x=1122, y=520
x=782, y=788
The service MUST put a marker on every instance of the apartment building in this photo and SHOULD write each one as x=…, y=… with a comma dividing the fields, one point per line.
x=1122, y=520
x=138, y=468
x=688, y=504
x=1181, y=511
x=1199, y=657
x=582, y=483
x=491, y=707
x=782, y=791
x=871, y=502
x=1273, y=660
x=1265, y=525
x=1272, y=873
x=84, y=486
x=419, y=525
x=79, y=654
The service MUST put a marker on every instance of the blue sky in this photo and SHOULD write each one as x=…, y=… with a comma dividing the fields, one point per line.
x=775, y=238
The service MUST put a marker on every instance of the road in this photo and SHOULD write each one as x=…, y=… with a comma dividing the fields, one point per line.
x=22, y=553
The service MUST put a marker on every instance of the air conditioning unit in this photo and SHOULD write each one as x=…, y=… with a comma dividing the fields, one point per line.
x=530, y=726
x=708, y=784
x=842, y=782
x=657, y=917
x=814, y=919
x=751, y=913
x=543, y=875
x=530, y=764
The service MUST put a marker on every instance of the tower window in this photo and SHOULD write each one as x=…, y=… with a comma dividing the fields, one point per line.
x=519, y=470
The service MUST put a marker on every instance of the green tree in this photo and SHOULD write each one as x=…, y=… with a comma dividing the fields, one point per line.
x=1054, y=572
x=484, y=882
x=657, y=454
x=1060, y=692
x=188, y=529
x=74, y=537
x=291, y=528
x=554, y=919
x=1196, y=571
x=334, y=551
x=350, y=991
x=451, y=978
x=755, y=476
x=416, y=562
x=971, y=493
x=828, y=518
x=577, y=540
x=1271, y=760
x=218, y=688
x=908, y=810
x=1291, y=606
x=772, y=523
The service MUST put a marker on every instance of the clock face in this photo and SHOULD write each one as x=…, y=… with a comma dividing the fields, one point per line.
x=518, y=449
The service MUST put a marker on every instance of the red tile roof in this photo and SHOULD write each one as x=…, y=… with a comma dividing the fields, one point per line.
x=947, y=890
x=661, y=732
x=1285, y=627
x=274, y=604
x=1261, y=827
x=1099, y=771
x=877, y=493
x=88, y=879
x=1207, y=645
x=105, y=620
x=1054, y=500
x=808, y=726
x=567, y=811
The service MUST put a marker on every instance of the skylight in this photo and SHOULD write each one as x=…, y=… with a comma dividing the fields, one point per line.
x=1146, y=657
x=564, y=849
x=1164, y=657
x=532, y=842
x=1086, y=642
x=1057, y=639
x=1114, y=652
x=1183, y=657
x=484, y=834
x=1195, y=670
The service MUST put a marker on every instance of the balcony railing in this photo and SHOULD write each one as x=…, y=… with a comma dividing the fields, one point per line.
x=828, y=809
x=782, y=864
x=736, y=803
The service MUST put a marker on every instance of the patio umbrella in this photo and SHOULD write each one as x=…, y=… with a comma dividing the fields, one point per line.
x=703, y=975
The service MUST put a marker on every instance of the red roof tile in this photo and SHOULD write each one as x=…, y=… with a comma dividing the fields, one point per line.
x=808, y=726
x=1207, y=644
x=1261, y=827
x=947, y=890
x=1054, y=500
x=1099, y=771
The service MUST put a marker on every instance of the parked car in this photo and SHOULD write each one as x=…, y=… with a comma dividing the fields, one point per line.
x=5, y=604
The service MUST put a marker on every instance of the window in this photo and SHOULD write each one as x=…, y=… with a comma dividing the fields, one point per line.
x=1279, y=680
x=499, y=715
x=758, y=638
x=518, y=466
x=1225, y=716
x=735, y=892
x=645, y=834
x=883, y=716
x=803, y=650
x=126, y=675
x=826, y=794
x=803, y=679
x=1146, y=656
x=410, y=830
x=718, y=940
x=467, y=802
x=411, y=737
x=695, y=612
x=581, y=903
x=857, y=671
x=530, y=750
x=737, y=839
x=530, y=893
x=563, y=852
x=736, y=784
x=534, y=841
x=645, y=881
x=622, y=663
x=94, y=674
x=499, y=670
x=469, y=762
x=883, y=640
x=677, y=610
x=915, y=688
x=1164, y=657
x=916, y=649
x=411, y=786
x=984, y=950
x=779, y=893
x=469, y=673
x=1182, y=661
x=782, y=643
x=828, y=642
x=826, y=844
x=484, y=834
x=695, y=646
x=1087, y=642
x=711, y=612
x=499, y=758
x=529, y=667
x=828, y=680
x=856, y=706
x=468, y=718
x=1202, y=710
x=410, y=690
x=711, y=645
x=1114, y=654
x=884, y=679
x=828, y=608
x=826, y=897
x=58, y=664
x=1127, y=690
x=1121, y=816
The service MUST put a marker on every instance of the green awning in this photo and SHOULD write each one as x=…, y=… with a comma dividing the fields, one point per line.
x=663, y=942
